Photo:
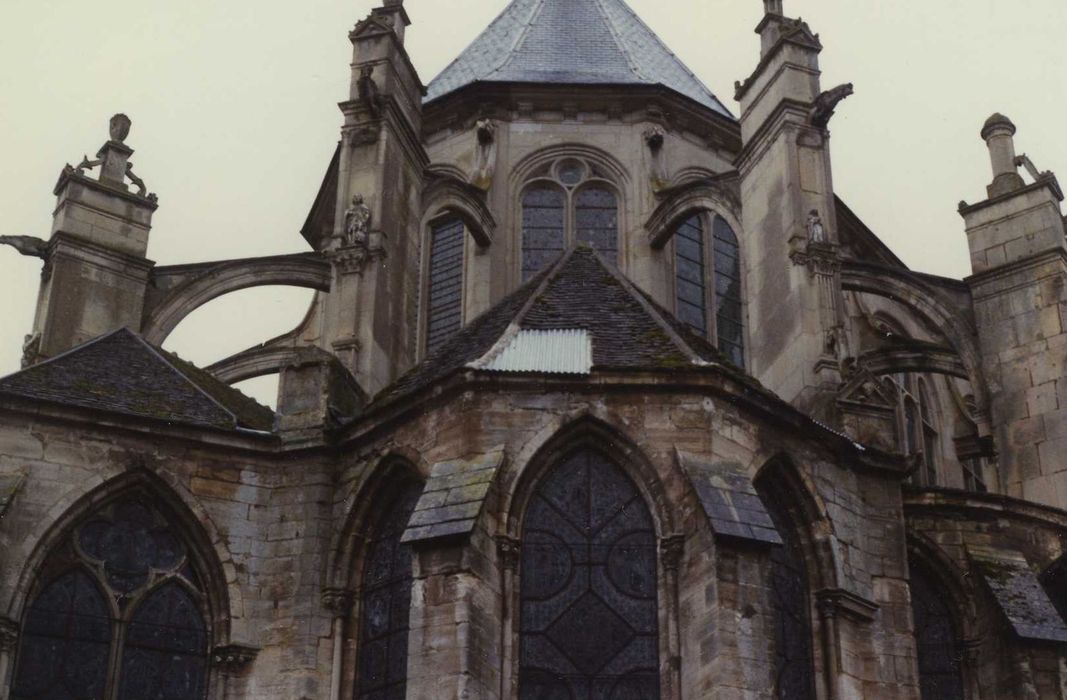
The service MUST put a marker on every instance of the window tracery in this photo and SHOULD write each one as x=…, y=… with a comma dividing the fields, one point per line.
x=386, y=603
x=118, y=613
x=588, y=587
x=697, y=291
x=917, y=425
x=566, y=202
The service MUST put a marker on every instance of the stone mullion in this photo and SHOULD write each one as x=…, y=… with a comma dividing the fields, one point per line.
x=671, y=550
x=509, y=551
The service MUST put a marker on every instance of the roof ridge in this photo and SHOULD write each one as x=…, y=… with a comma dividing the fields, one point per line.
x=623, y=49
x=535, y=12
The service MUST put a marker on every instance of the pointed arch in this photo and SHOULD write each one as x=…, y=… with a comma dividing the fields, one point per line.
x=939, y=624
x=554, y=442
x=189, y=518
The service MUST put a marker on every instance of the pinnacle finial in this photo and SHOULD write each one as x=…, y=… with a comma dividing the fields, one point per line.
x=773, y=7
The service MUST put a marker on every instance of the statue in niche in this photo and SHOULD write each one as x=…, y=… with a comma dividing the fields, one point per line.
x=369, y=94
x=485, y=154
x=357, y=222
x=816, y=230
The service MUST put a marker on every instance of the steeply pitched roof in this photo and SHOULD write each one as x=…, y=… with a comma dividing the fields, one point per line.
x=579, y=292
x=121, y=373
x=574, y=42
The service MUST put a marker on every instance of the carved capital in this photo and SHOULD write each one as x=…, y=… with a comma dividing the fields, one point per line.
x=671, y=550
x=233, y=658
x=9, y=634
x=509, y=550
x=338, y=601
x=363, y=135
x=350, y=259
x=832, y=602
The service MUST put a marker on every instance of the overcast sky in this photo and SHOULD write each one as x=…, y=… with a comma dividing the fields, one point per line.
x=234, y=108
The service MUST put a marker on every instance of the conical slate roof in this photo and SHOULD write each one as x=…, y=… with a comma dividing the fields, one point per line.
x=578, y=316
x=573, y=42
x=122, y=373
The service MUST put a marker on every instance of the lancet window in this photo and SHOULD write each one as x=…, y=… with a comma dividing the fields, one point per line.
x=568, y=202
x=917, y=425
x=117, y=612
x=697, y=291
x=444, y=314
x=386, y=603
x=588, y=618
x=936, y=640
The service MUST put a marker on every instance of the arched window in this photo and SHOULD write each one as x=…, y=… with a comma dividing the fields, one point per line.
x=790, y=607
x=569, y=201
x=936, y=641
x=694, y=292
x=588, y=617
x=118, y=612
x=444, y=298
x=917, y=423
x=386, y=603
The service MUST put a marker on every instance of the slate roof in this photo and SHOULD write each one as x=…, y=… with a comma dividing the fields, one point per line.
x=453, y=498
x=580, y=291
x=730, y=502
x=1020, y=595
x=571, y=42
x=122, y=373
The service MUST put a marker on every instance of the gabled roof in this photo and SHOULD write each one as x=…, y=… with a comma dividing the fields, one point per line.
x=571, y=42
x=122, y=373
x=580, y=292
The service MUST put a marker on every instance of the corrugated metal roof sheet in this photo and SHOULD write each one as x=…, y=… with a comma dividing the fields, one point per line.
x=548, y=351
x=574, y=42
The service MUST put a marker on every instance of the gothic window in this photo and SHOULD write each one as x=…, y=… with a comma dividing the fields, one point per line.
x=117, y=612
x=917, y=425
x=696, y=291
x=790, y=610
x=588, y=617
x=386, y=604
x=938, y=645
x=973, y=468
x=567, y=202
x=444, y=314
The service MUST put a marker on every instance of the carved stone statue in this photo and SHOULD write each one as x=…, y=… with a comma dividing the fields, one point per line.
x=27, y=245
x=485, y=154
x=827, y=102
x=816, y=230
x=120, y=127
x=369, y=94
x=31, y=349
x=654, y=137
x=357, y=222
x=486, y=129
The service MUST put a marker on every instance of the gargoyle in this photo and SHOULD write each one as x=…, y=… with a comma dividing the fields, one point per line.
x=826, y=103
x=27, y=245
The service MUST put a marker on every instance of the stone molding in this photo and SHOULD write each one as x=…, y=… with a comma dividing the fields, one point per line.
x=9, y=635
x=821, y=259
x=509, y=550
x=671, y=550
x=834, y=602
x=233, y=658
x=338, y=601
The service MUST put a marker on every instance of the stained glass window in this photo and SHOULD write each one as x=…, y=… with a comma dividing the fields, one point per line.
x=790, y=610
x=729, y=323
x=938, y=645
x=596, y=217
x=588, y=618
x=387, y=577
x=690, y=273
x=445, y=298
x=153, y=625
x=543, y=209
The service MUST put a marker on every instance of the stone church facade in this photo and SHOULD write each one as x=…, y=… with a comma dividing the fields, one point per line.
x=603, y=394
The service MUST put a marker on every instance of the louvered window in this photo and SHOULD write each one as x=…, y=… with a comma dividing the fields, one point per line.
x=588, y=617
x=569, y=202
x=118, y=613
x=445, y=297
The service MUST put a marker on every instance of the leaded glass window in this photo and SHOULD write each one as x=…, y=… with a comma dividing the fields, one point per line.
x=939, y=649
x=729, y=323
x=444, y=314
x=568, y=202
x=917, y=425
x=690, y=274
x=790, y=610
x=588, y=618
x=117, y=613
x=386, y=604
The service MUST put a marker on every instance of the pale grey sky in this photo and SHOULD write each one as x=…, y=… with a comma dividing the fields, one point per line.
x=235, y=118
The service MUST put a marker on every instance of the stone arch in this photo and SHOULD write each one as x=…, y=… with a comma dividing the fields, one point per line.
x=554, y=444
x=343, y=561
x=694, y=197
x=524, y=170
x=189, y=287
x=447, y=194
x=224, y=598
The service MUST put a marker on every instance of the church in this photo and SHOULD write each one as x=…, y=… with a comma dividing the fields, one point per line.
x=603, y=394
